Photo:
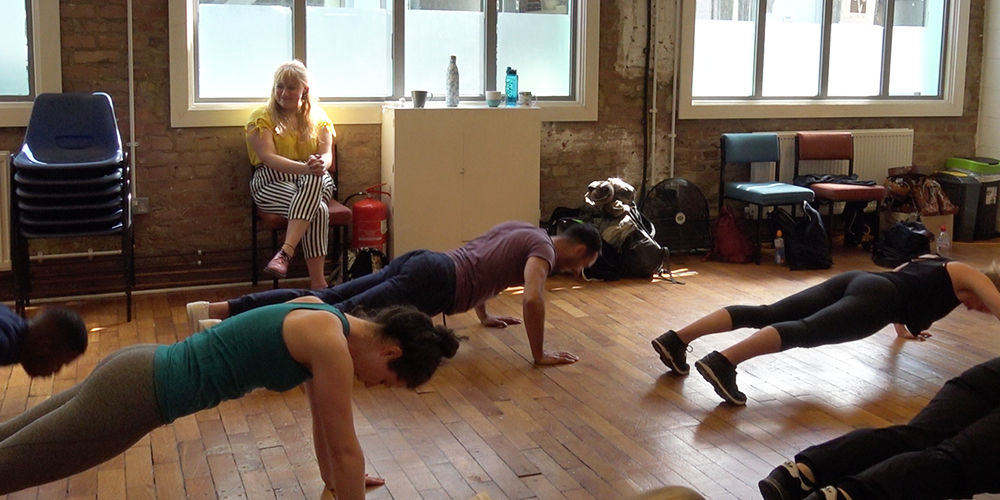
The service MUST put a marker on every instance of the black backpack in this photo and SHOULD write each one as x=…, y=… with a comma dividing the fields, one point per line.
x=806, y=243
x=642, y=256
x=366, y=261
x=639, y=256
x=561, y=217
x=901, y=243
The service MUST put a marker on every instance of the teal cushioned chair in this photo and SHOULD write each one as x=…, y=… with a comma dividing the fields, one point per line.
x=751, y=148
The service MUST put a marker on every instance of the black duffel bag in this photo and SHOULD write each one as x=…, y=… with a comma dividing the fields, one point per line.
x=901, y=243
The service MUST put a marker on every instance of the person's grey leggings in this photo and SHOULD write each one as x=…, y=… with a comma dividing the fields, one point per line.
x=83, y=426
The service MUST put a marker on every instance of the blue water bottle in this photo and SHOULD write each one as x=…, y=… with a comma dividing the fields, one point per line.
x=510, y=87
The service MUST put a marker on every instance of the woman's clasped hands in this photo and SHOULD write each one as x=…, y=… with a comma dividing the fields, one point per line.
x=315, y=165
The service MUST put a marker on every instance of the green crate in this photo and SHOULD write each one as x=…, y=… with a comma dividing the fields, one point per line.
x=986, y=166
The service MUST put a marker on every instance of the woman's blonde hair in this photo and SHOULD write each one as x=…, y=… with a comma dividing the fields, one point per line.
x=295, y=73
x=992, y=271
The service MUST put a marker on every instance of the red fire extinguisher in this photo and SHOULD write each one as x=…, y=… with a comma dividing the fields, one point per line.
x=370, y=220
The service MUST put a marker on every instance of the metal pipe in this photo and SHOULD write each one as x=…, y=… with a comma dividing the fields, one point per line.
x=90, y=254
x=131, y=106
x=652, y=104
x=676, y=99
x=645, y=102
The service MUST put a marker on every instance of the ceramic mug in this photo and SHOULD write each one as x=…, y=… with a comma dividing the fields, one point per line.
x=494, y=98
x=526, y=99
x=420, y=97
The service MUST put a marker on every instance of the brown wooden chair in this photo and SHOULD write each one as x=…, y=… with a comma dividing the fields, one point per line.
x=834, y=146
x=340, y=222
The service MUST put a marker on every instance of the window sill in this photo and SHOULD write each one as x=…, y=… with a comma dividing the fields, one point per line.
x=15, y=114
x=235, y=114
x=854, y=108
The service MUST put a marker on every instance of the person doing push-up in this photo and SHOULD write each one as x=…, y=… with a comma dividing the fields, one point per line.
x=141, y=387
x=510, y=254
x=849, y=306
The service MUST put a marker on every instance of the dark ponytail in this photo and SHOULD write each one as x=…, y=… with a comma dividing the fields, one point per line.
x=425, y=345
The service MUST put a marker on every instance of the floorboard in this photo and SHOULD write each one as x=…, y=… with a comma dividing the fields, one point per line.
x=489, y=422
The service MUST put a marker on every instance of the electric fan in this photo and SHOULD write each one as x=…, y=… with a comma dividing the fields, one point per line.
x=679, y=213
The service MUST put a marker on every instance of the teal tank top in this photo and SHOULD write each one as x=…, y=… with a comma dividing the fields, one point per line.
x=228, y=360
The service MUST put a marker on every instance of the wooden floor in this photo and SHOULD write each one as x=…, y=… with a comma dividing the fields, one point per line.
x=607, y=427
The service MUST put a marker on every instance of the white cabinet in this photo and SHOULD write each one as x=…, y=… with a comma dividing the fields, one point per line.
x=453, y=173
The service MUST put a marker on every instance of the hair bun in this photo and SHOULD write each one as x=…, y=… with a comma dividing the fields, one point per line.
x=448, y=341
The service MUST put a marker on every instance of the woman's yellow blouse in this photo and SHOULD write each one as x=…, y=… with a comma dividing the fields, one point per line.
x=287, y=145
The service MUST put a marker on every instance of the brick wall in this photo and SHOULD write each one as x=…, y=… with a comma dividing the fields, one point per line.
x=197, y=179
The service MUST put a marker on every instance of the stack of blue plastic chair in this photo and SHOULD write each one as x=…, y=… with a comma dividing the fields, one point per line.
x=70, y=180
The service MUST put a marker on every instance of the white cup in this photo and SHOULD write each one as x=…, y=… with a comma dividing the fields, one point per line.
x=526, y=99
x=494, y=98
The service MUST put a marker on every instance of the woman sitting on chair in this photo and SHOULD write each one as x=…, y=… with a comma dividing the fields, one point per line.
x=290, y=143
x=139, y=388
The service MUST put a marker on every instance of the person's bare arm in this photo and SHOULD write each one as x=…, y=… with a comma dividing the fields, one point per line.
x=536, y=271
x=495, y=321
x=322, y=160
x=262, y=142
x=321, y=440
x=315, y=339
x=968, y=278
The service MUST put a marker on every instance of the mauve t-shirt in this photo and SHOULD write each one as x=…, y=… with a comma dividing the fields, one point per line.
x=494, y=261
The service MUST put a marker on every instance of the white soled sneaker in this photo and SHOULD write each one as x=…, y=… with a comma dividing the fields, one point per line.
x=205, y=324
x=197, y=311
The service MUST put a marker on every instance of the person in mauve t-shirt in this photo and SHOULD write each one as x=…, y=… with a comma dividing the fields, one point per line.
x=509, y=254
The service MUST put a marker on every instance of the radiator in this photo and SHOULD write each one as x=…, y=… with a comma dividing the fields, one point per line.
x=4, y=211
x=875, y=151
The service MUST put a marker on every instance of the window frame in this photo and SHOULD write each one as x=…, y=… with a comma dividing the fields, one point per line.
x=950, y=103
x=46, y=65
x=185, y=111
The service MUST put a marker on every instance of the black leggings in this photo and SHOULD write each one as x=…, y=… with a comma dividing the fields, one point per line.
x=949, y=450
x=847, y=307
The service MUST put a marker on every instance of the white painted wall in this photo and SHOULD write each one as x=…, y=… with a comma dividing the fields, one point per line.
x=988, y=134
x=988, y=131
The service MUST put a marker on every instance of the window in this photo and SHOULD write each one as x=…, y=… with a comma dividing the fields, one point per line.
x=24, y=71
x=362, y=54
x=823, y=58
x=14, y=48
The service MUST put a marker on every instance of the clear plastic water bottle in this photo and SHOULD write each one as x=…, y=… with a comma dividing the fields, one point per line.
x=779, y=248
x=451, y=84
x=944, y=243
x=510, y=87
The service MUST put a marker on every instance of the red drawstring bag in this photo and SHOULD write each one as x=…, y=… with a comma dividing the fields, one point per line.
x=731, y=245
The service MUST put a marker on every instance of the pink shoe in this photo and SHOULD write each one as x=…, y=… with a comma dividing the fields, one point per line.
x=278, y=267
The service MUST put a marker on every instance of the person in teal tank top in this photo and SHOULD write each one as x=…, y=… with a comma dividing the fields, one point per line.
x=141, y=387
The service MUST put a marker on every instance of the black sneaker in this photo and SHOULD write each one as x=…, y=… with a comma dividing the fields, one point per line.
x=719, y=372
x=672, y=352
x=783, y=483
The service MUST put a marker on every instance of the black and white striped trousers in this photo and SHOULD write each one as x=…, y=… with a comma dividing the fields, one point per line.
x=303, y=197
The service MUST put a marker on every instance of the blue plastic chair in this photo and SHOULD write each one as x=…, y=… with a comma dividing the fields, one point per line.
x=752, y=148
x=70, y=179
